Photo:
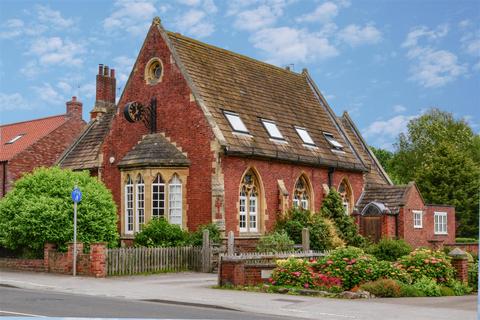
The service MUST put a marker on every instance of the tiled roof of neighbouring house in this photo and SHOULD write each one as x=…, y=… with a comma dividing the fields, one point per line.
x=154, y=150
x=376, y=175
x=391, y=196
x=16, y=137
x=85, y=152
x=226, y=81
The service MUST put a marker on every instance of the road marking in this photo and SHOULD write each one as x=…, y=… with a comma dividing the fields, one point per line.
x=31, y=283
x=22, y=314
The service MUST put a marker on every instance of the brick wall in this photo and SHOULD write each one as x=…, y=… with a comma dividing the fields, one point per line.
x=177, y=116
x=35, y=265
x=268, y=174
x=468, y=247
x=237, y=273
x=44, y=152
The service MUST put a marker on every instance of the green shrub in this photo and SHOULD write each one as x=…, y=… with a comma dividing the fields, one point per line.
x=350, y=264
x=323, y=234
x=459, y=288
x=388, y=270
x=196, y=238
x=428, y=286
x=466, y=240
x=39, y=209
x=428, y=263
x=275, y=242
x=473, y=275
x=408, y=290
x=159, y=233
x=446, y=291
x=383, y=288
x=389, y=249
x=332, y=208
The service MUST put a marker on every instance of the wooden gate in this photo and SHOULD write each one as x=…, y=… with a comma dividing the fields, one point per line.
x=372, y=227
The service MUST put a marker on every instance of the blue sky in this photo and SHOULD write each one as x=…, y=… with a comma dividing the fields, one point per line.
x=385, y=62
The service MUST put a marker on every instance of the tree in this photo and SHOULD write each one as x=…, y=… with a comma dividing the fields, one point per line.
x=39, y=209
x=333, y=209
x=442, y=155
x=385, y=158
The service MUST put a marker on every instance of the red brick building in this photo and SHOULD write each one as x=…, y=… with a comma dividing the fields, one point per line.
x=27, y=145
x=201, y=134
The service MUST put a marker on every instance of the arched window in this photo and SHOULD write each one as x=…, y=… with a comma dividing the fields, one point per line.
x=249, y=203
x=158, y=197
x=301, y=196
x=129, y=205
x=175, y=200
x=140, y=202
x=347, y=196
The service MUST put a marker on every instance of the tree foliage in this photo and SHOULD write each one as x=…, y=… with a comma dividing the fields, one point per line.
x=442, y=155
x=39, y=209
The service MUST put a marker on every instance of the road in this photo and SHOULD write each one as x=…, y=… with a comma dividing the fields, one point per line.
x=22, y=302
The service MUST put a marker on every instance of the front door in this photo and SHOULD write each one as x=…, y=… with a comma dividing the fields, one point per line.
x=372, y=228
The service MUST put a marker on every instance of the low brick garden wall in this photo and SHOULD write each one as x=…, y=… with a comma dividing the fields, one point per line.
x=468, y=247
x=88, y=264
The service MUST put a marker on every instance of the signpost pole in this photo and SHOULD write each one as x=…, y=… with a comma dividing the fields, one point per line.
x=74, y=238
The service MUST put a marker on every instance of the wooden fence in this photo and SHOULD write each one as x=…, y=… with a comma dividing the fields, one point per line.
x=129, y=261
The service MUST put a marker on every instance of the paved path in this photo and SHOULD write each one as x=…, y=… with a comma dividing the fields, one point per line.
x=195, y=288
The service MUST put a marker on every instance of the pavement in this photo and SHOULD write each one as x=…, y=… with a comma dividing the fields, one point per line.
x=195, y=289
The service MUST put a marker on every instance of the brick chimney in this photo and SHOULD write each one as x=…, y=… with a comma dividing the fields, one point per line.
x=74, y=108
x=105, y=93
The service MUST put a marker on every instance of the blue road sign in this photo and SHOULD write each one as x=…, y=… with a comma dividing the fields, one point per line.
x=76, y=195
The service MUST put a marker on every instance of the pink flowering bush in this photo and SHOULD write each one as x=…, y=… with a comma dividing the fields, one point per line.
x=300, y=274
x=425, y=262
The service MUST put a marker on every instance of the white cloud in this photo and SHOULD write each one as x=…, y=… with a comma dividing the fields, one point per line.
x=65, y=87
x=52, y=17
x=288, y=45
x=323, y=13
x=464, y=23
x=355, y=35
x=55, y=50
x=398, y=108
x=47, y=93
x=194, y=22
x=31, y=69
x=431, y=67
x=133, y=17
x=123, y=66
x=12, y=28
x=260, y=17
x=14, y=101
x=389, y=128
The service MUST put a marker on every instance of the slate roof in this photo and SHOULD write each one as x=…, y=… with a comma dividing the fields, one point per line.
x=376, y=174
x=393, y=197
x=224, y=80
x=85, y=153
x=154, y=150
x=32, y=131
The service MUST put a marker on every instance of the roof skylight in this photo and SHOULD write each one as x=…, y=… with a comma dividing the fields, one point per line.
x=15, y=139
x=305, y=136
x=333, y=142
x=272, y=129
x=235, y=122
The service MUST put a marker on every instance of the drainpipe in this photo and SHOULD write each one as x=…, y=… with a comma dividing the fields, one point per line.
x=331, y=170
x=4, y=182
x=396, y=226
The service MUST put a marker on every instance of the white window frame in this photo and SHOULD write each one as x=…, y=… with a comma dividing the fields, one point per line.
x=17, y=137
x=158, y=185
x=440, y=223
x=305, y=136
x=417, y=222
x=272, y=129
x=175, y=207
x=253, y=223
x=129, y=207
x=243, y=211
x=236, y=122
x=333, y=142
x=139, y=205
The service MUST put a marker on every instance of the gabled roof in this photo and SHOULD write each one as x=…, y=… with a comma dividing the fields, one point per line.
x=225, y=81
x=376, y=174
x=30, y=132
x=392, y=197
x=85, y=153
x=154, y=150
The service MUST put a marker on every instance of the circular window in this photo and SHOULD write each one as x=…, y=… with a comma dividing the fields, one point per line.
x=154, y=71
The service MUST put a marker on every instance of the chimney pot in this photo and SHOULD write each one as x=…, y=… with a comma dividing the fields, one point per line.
x=74, y=99
x=112, y=73
x=74, y=108
x=105, y=71
x=100, y=69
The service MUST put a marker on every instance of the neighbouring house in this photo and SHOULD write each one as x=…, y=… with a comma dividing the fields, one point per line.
x=27, y=145
x=201, y=134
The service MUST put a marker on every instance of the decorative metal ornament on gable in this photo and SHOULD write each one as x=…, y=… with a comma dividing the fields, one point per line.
x=135, y=111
